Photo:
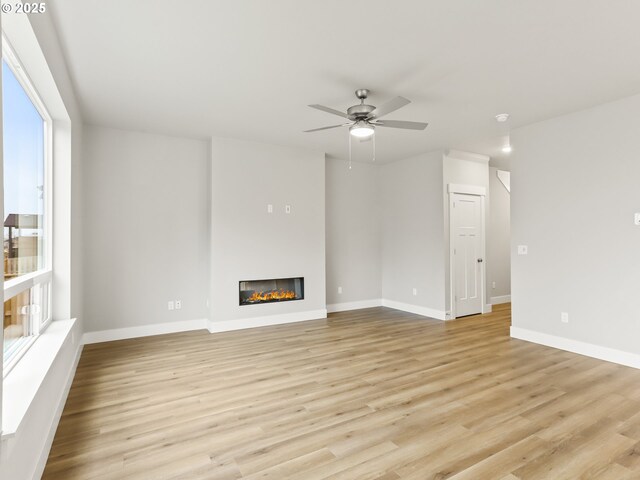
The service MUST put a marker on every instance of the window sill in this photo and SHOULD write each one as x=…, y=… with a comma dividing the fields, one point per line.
x=23, y=382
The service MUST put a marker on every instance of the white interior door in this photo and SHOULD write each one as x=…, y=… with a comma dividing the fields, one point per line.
x=468, y=263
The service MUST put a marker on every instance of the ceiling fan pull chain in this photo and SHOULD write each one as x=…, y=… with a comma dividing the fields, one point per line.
x=374, y=146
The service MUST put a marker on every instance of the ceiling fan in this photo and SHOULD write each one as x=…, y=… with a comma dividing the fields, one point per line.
x=365, y=118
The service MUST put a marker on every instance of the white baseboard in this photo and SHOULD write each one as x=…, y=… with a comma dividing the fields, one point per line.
x=200, y=324
x=144, y=331
x=500, y=299
x=242, y=323
x=575, y=346
x=44, y=454
x=407, y=307
x=346, y=306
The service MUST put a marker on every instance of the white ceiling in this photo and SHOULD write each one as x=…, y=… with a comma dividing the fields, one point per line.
x=249, y=68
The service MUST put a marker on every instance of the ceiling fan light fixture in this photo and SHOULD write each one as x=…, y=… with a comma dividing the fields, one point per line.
x=361, y=129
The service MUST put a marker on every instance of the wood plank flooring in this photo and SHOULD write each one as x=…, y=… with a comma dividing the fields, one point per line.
x=369, y=394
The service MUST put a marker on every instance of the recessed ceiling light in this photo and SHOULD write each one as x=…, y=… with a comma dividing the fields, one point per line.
x=502, y=117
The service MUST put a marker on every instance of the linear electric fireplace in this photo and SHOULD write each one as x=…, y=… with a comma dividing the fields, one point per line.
x=271, y=290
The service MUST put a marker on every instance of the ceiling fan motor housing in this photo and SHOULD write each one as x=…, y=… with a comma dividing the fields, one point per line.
x=360, y=111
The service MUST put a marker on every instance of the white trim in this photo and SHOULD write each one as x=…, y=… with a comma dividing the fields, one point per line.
x=22, y=384
x=28, y=86
x=418, y=310
x=46, y=448
x=500, y=299
x=343, y=307
x=590, y=350
x=454, y=190
x=24, y=282
x=268, y=320
x=200, y=324
x=460, y=155
x=12, y=361
x=144, y=331
x=505, y=178
x=20, y=72
x=466, y=189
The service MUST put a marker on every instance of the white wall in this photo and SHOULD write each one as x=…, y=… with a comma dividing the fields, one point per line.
x=574, y=194
x=68, y=239
x=248, y=243
x=499, y=239
x=462, y=168
x=34, y=39
x=146, y=228
x=352, y=232
x=412, y=222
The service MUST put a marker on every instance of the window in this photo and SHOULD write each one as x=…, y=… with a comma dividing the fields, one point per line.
x=26, y=246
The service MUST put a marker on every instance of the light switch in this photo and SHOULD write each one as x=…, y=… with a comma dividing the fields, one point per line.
x=523, y=249
x=287, y=209
x=636, y=219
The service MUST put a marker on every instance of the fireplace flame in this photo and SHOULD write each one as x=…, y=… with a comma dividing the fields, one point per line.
x=272, y=295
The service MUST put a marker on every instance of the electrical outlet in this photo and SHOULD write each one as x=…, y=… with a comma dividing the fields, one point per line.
x=493, y=284
x=170, y=306
x=564, y=317
x=339, y=289
x=415, y=291
x=178, y=304
x=269, y=208
x=523, y=250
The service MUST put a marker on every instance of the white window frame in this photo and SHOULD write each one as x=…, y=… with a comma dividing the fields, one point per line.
x=44, y=275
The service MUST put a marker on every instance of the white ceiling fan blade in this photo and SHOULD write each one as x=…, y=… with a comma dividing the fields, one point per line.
x=401, y=124
x=326, y=128
x=329, y=110
x=391, y=106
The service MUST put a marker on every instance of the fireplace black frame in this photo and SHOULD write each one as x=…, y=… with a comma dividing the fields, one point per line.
x=295, y=284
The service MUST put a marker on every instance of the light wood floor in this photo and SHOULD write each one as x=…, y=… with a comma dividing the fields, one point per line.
x=370, y=394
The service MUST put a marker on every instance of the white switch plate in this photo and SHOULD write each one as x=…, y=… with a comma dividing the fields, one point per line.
x=178, y=304
x=636, y=218
x=415, y=291
x=269, y=208
x=339, y=289
x=564, y=317
x=287, y=209
x=493, y=284
x=170, y=306
x=523, y=249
